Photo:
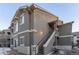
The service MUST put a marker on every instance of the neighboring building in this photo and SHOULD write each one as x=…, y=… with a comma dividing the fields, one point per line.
x=35, y=31
x=5, y=38
x=76, y=39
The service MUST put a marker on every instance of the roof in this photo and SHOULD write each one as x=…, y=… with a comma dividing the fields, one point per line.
x=6, y=30
x=42, y=9
x=31, y=7
x=67, y=23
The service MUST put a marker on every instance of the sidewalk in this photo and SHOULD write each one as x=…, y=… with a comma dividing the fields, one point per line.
x=74, y=51
x=14, y=52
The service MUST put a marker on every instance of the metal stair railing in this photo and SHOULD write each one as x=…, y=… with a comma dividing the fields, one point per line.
x=47, y=38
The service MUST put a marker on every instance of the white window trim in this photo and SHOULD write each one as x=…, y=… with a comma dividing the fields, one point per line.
x=22, y=37
x=16, y=39
x=22, y=18
x=16, y=28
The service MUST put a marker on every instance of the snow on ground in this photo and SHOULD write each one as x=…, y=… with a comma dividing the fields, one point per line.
x=3, y=51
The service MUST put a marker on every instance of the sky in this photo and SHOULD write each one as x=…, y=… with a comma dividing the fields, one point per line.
x=66, y=12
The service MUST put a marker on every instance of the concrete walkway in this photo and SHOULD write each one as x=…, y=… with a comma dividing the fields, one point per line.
x=9, y=51
x=74, y=51
x=14, y=52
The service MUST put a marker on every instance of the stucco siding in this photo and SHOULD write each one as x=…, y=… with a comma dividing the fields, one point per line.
x=64, y=41
x=24, y=26
x=41, y=20
x=65, y=29
x=26, y=38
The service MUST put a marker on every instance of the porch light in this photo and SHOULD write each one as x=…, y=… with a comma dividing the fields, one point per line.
x=41, y=33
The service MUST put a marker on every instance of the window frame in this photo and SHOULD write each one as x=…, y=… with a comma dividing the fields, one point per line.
x=15, y=42
x=21, y=42
x=16, y=27
x=22, y=19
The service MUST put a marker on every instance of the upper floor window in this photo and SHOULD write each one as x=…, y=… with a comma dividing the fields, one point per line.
x=8, y=33
x=16, y=28
x=22, y=19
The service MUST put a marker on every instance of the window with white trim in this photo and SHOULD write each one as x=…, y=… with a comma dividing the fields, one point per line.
x=21, y=42
x=16, y=41
x=22, y=19
x=16, y=28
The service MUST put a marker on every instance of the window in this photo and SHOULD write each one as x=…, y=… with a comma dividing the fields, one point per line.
x=8, y=33
x=11, y=41
x=78, y=37
x=3, y=32
x=15, y=42
x=22, y=19
x=21, y=42
x=16, y=27
x=78, y=41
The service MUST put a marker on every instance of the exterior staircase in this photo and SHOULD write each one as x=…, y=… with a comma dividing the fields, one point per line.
x=45, y=41
x=48, y=46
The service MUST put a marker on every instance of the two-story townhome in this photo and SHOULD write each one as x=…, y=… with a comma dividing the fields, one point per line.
x=36, y=31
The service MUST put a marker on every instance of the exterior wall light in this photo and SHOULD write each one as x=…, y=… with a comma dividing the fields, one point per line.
x=41, y=33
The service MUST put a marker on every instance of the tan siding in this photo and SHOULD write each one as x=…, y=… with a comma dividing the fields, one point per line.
x=65, y=29
x=41, y=20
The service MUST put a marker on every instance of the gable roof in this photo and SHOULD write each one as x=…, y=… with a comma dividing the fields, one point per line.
x=31, y=7
x=42, y=9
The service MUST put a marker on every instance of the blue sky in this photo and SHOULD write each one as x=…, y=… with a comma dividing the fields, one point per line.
x=66, y=12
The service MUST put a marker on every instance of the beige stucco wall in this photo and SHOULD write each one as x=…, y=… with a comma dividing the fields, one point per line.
x=24, y=26
x=65, y=29
x=41, y=20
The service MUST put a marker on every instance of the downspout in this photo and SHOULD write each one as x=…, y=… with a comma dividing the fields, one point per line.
x=30, y=33
x=58, y=34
